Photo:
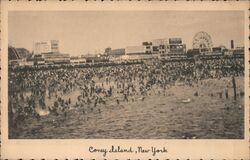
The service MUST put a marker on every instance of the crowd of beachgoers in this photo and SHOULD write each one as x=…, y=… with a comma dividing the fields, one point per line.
x=101, y=85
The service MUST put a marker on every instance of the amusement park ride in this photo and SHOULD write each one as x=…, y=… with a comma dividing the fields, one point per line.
x=203, y=42
x=203, y=46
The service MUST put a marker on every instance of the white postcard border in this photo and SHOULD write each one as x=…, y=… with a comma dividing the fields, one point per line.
x=79, y=148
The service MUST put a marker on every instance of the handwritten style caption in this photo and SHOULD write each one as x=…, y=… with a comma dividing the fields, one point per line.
x=133, y=150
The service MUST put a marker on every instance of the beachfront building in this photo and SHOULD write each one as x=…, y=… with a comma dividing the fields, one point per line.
x=158, y=42
x=95, y=58
x=55, y=58
x=49, y=50
x=155, y=50
x=160, y=46
x=142, y=52
x=135, y=50
x=148, y=47
x=161, y=49
x=77, y=60
x=176, y=47
x=46, y=46
x=107, y=50
x=115, y=52
x=238, y=51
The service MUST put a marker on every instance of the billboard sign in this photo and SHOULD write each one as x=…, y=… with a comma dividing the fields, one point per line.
x=175, y=41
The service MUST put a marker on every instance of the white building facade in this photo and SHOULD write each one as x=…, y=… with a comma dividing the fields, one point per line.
x=46, y=47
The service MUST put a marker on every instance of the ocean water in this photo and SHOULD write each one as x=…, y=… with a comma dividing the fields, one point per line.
x=179, y=114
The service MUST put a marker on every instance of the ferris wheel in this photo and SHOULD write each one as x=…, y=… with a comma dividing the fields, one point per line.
x=202, y=40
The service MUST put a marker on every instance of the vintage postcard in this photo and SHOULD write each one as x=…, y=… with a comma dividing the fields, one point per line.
x=124, y=80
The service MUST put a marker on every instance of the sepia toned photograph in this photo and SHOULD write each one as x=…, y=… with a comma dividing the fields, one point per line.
x=124, y=80
x=126, y=75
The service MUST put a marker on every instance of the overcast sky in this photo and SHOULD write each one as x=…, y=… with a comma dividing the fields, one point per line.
x=82, y=32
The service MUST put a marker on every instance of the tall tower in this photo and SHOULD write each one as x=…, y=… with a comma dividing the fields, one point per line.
x=232, y=44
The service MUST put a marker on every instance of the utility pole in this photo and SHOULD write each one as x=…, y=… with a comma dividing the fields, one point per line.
x=234, y=86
